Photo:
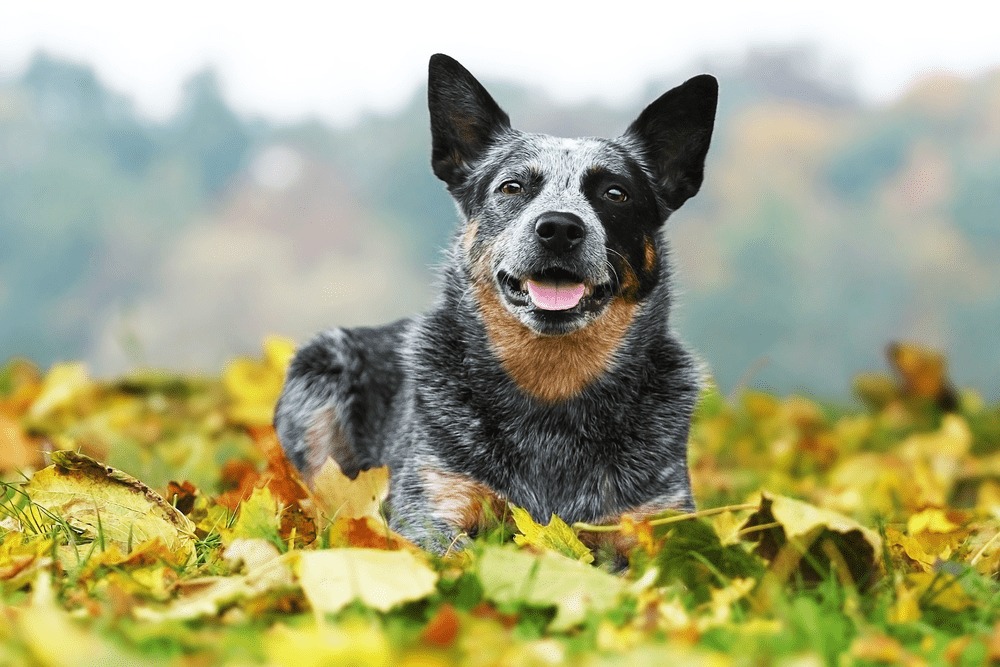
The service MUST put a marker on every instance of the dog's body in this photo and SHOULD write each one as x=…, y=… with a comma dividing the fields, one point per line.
x=546, y=374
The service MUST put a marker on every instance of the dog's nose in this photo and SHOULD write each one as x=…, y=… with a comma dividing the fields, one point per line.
x=559, y=232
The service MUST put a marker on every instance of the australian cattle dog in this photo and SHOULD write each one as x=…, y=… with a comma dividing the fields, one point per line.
x=546, y=374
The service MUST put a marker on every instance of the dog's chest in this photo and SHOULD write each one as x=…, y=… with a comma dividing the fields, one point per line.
x=575, y=466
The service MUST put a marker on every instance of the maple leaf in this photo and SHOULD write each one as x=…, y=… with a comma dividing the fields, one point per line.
x=556, y=536
x=337, y=495
x=258, y=517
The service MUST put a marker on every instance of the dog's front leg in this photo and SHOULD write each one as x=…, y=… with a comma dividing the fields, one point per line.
x=440, y=510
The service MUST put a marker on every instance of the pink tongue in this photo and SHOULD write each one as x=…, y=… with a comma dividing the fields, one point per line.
x=551, y=296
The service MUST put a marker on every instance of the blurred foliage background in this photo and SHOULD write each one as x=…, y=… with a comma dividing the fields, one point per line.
x=827, y=225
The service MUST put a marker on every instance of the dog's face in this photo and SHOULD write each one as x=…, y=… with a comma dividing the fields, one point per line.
x=559, y=230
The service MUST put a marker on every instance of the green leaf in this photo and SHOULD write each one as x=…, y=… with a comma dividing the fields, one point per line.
x=556, y=536
x=548, y=580
x=693, y=555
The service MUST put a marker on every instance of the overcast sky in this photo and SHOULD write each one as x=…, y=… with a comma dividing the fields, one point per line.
x=293, y=58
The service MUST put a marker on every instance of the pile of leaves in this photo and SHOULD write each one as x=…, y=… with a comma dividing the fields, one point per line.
x=154, y=519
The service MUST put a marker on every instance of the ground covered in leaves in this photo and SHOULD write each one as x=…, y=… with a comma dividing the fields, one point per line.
x=153, y=520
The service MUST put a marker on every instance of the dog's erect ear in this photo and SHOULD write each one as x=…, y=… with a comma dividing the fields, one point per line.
x=464, y=119
x=674, y=132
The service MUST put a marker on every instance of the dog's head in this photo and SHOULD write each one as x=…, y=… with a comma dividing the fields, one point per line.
x=561, y=229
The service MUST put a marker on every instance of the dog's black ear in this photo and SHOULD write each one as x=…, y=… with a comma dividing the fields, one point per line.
x=674, y=133
x=464, y=119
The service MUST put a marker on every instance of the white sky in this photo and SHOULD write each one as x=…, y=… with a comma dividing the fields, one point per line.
x=295, y=58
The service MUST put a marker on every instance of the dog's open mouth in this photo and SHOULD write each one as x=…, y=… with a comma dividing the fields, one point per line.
x=552, y=290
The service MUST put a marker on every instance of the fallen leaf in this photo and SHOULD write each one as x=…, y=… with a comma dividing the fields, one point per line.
x=548, y=580
x=354, y=643
x=108, y=505
x=62, y=385
x=258, y=517
x=253, y=385
x=443, y=627
x=923, y=373
x=366, y=532
x=337, y=495
x=209, y=596
x=556, y=536
x=240, y=478
x=800, y=528
x=878, y=648
x=250, y=553
x=53, y=638
x=332, y=578
x=16, y=449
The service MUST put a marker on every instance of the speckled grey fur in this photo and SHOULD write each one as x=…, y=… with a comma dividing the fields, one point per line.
x=430, y=393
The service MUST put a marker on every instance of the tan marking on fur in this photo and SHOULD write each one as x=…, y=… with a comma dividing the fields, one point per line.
x=651, y=256
x=469, y=236
x=629, y=282
x=460, y=500
x=325, y=438
x=552, y=368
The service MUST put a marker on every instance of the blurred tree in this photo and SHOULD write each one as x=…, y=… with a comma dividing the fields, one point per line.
x=208, y=133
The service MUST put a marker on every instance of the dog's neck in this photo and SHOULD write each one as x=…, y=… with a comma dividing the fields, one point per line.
x=553, y=368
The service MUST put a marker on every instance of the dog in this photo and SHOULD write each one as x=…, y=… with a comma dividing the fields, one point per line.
x=546, y=374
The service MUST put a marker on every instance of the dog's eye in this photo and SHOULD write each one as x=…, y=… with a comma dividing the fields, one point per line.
x=511, y=188
x=617, y=195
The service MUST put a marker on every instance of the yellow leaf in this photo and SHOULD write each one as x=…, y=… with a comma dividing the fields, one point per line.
x=253, y=385
x=278, y=352
x=803, y=528
x=250, y=553
x=209, y=595
x=939, y=589
x=332, y=578
x=353, y=643
x=108, y=505
x=556, y=536
x=337, y=495
x=906, y=608
x=53, y=638
x=930, y=520
x=878, y=648
x=259, y=517
x=62, y=385
x=727, y=528
x=21, y=558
